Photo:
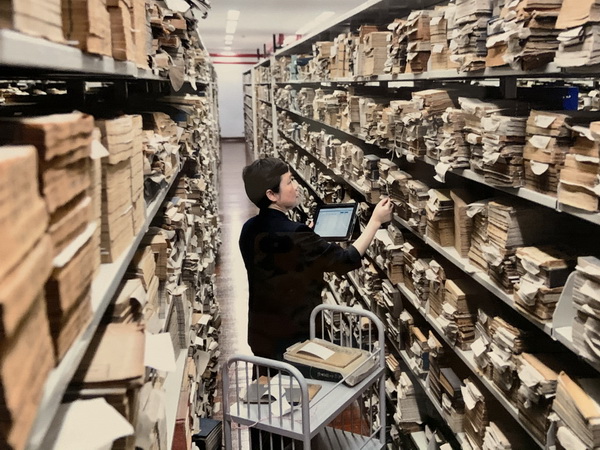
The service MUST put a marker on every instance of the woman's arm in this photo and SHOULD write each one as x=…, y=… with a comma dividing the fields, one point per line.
x=381, y=214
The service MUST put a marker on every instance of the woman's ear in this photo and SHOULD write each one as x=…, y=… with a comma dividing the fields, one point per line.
x=272, y=196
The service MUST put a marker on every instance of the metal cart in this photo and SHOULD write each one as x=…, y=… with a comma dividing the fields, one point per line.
x=286, y=418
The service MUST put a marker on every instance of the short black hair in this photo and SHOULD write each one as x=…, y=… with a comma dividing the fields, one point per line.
x=262, y=175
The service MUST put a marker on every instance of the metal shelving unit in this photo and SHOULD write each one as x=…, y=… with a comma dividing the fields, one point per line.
x=104, y=287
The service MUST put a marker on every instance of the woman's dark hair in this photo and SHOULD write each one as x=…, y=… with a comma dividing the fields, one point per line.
x=262, y=175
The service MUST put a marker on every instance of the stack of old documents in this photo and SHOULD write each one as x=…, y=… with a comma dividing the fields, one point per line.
x=398, y=192
x=418, y=195
x=508, y=341
x=408, y=128
x=482, y=343
x=543, y=272
x=25, y=266
x=580, y=40
x=397, y=48
x=453, y=149
x=476, y=413
x=503, y=141
x=524, y=36
x=586, y=301
x=538, y=388
x=577, y=406
x=441, y=25
x=460, y=299
x=548, y=141
x=64, y=145
x=579, y=182
x=419, y=45
x=511, y=225
x=468, y=44
x=373, y=54
x=88, y=24
x=478, y=212
x=440, y=217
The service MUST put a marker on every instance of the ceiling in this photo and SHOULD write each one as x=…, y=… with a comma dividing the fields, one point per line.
x=260, y=19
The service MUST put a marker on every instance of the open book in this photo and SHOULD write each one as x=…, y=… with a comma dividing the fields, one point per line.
x=323, y=360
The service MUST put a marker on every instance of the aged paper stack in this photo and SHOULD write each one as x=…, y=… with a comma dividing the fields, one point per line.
x=418, y=195
x=418, y=350
x=548, y=141
x=475, y=111
x=579, y=184
x=586, y=301
x=113, y=368
x=524, y=35
x=371, y=53
x=409, y=133
x=580, y=40
x=27, y=356
x=340, y=56
x=482, y=343
x=419, y=44
x=537, y=392
x=34, y=17
x=397, y=48
x=463, y=223
x=511, y=225
x=121, y=29
x=432, y=103
x=64, y=142
x=478, y=212
x=453, y=149
x=88, y=23
x=476, y=413
x=399, y=193
x=117, y=213
x=440, y=29
x=437, y=280
x=440, y=217
x=407, y=406
x=468, y=44
x=507, y=342
x=503, y=140
x=577, y=407
x=321, y=61
x=543, y=272
x=460, y=299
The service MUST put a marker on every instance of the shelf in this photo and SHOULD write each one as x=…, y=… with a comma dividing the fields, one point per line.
x=324, y=407
x=461, y=437
x=173, y=384
x=21, y=51
x=467, y=357
x=551, y=70
x=104, y=287
x=545, y=200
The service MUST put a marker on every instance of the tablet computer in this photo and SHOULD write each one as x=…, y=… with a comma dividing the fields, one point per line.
x=335, y=221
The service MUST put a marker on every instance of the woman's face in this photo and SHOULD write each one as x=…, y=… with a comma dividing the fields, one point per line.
x=288, y=196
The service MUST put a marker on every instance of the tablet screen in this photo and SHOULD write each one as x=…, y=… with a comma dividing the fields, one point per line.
x=335, y=222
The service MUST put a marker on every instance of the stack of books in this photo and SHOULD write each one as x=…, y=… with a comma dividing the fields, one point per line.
x=453, y=405
x=537, y=392
x=468, y=44
x=418, y=350
x=209, y=436
x=397, y=48
x=580, y=40
x=374, y=45
x=463, y=224
x=453, y=148
x=440, y=217
x=407, y=405
x=579, y=182
x=482, y=343
x=507, y=342
x=511, y=225
x=548, y=142
x=418, y=195
x=460, y=297
x=25, y=266
x=88, y=25
x=543, y=273
x=419, y=41
x=503, y=141
x=577, y=407
x=441, y=25
x=586, y=302
x=479, y=236
x=476, y=413
x=34, y=17
x=437, y=276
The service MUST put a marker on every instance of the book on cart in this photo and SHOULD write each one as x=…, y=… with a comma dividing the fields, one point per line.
x=323, y=360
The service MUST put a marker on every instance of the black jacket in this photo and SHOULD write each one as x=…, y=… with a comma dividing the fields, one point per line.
x=285, y=261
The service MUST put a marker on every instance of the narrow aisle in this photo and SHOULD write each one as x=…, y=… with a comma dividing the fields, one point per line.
x=231, y=282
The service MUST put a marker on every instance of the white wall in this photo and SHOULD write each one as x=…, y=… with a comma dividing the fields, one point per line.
x=231, y=98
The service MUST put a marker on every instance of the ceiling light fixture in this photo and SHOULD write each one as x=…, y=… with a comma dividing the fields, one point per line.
x=228, y=39
x=230, y=26
x=233, y=14
x=315, y=22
